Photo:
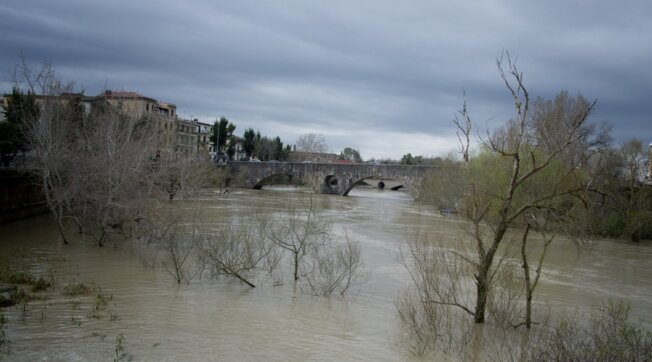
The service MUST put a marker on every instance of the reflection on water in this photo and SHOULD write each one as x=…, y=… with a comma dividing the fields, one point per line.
x=224, y=320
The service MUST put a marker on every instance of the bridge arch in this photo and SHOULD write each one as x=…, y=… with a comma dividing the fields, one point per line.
x=328, y=177
x=331, y=183
x=267, y=180
x=381, y=184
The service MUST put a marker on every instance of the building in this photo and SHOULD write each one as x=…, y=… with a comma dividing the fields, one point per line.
x=87, y=103
x=138, y=106
x=175, y=136
x=187, y=133
x=237, y=145
x=204, y=145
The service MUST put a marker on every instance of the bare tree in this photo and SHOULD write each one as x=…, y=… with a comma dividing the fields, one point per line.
x=238, y=250
x=519, y=154
x=606, y=334
x=337, y=269
x=224, y=179
x=524, y=174
x=96, y=168
x=438, y=280
x=432, y=310
x=312, y=142
x=110, y=177
x=179, y=238
x=300, y=232
x=184, y=176
x=45, y=135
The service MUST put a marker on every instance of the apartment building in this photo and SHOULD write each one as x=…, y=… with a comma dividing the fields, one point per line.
x=138, y=106
x=187, y=133
x=204, y=144
x=175, y=136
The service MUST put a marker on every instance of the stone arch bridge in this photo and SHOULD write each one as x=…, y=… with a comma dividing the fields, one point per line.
x=331, y=178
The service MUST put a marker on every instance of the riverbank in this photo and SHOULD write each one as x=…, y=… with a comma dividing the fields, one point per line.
x=20, y=195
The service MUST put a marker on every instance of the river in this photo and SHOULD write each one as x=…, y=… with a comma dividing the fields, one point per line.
x=222, y=319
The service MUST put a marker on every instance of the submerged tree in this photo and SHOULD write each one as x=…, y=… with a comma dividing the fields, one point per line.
x=338, y=268
x=318, y=262
x=606, y=334
x=96, y=169
x=523, y=173
x=179, y=239
x=238, y=250
x=301, y=233
x=528, y=175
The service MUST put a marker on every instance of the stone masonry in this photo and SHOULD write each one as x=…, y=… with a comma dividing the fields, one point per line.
x=331, y=178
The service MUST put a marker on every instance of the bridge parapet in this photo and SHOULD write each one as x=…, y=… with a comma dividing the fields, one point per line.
x=331, y=178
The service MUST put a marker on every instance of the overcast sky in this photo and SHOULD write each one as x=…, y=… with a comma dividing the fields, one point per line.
x=385, y=77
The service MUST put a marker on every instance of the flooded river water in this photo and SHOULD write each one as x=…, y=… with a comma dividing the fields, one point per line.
x=225, y=320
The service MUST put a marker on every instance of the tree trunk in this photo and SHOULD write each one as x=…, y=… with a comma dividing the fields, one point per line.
x=60, y=226
x=480, y=302
x=482, y=288
x=56, y=209
x=528, y=309
x=243, y=280
x=482, y=279
x=296, y=267
x=528, y=287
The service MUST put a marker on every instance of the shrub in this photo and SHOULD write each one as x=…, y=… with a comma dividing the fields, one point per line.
x=76, y=289
x=606, y=335
x=21, y=278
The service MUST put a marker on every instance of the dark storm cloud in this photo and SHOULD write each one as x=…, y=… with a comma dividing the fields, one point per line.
x=380, y=76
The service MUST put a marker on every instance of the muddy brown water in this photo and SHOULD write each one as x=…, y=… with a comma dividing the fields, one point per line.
x=224, y=320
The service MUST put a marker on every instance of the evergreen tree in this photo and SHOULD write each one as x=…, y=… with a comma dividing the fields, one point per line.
x=249, y=141
x=19, y=109
x=221, y=133
x=350, y=154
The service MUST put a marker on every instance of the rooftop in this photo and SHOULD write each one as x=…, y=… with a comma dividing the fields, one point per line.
x=166, y=105
x=124, y=95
